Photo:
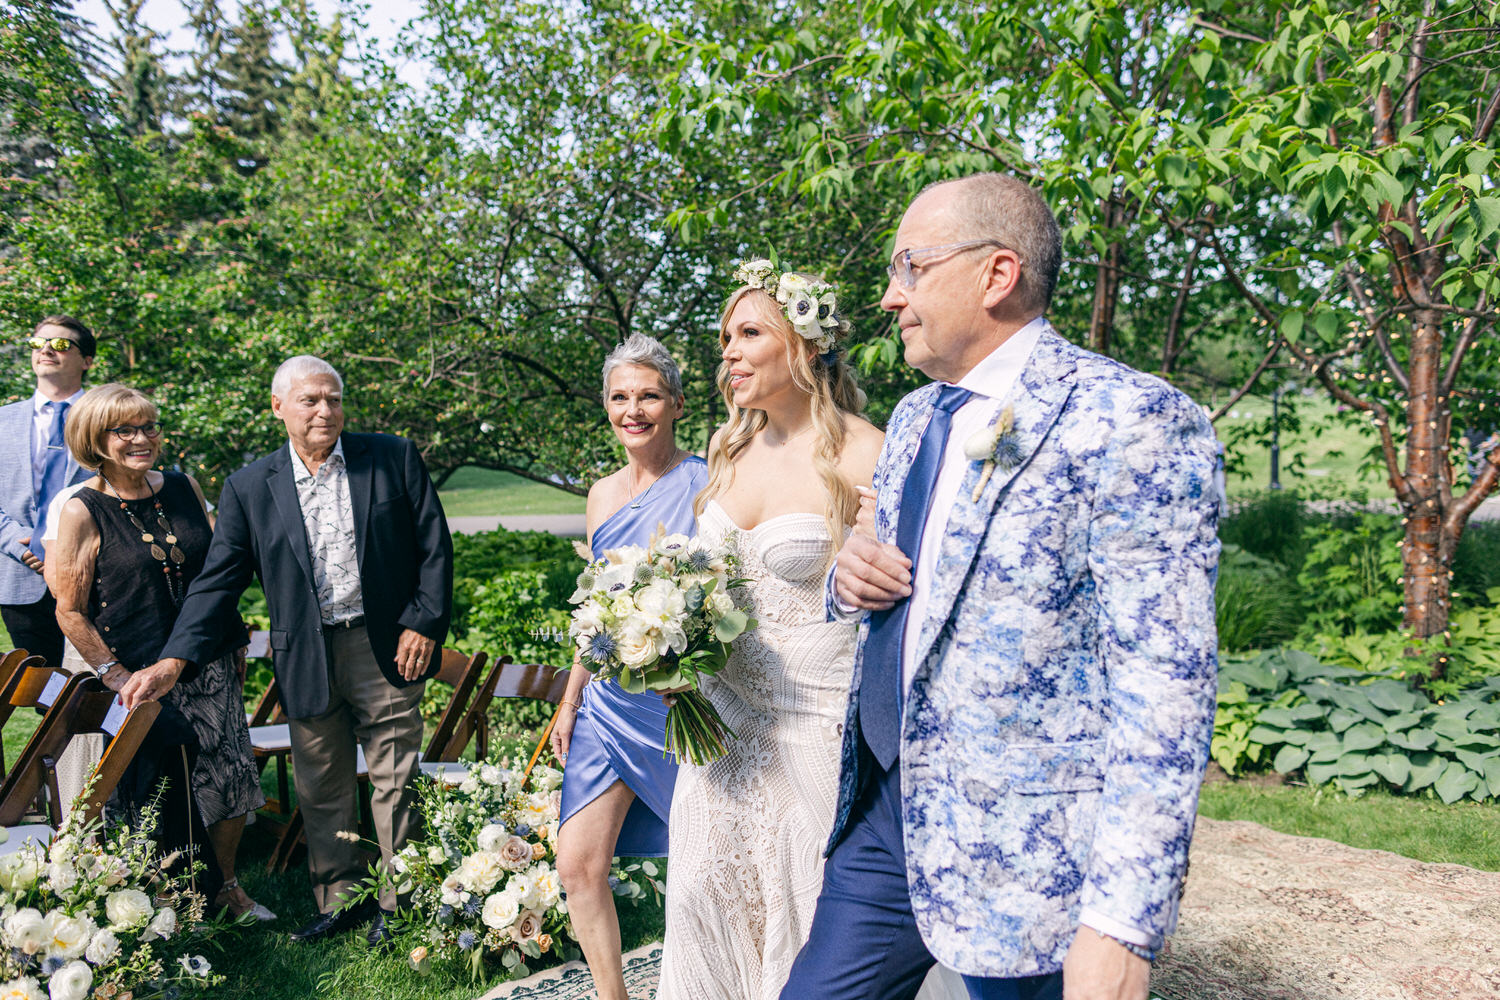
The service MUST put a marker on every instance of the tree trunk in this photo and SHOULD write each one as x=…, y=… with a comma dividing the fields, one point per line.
x=1106, y=294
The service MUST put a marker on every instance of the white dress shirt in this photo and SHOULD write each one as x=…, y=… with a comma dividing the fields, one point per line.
x=41, y=428
x=328, y=514
x=991, y=382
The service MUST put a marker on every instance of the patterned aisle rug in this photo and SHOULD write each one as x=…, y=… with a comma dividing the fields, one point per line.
x=1269, y=916
x=571, y=980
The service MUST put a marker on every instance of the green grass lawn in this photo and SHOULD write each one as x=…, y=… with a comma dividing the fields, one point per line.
x=1465, y=833
x=472, y=492
x=1331, y=452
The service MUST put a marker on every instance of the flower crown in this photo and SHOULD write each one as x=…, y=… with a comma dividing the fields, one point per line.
x=810, y=306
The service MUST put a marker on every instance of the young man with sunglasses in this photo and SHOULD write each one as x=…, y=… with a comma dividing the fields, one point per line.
x=35, y=466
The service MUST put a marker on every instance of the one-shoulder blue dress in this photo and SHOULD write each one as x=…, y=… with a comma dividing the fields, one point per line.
x=619, y=736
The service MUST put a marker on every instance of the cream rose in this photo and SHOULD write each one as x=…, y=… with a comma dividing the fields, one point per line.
x=127, y=908
x=62, y=877
x=500, y=910
x=637, y=647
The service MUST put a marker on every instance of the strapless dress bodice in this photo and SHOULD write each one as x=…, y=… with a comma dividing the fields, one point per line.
x=786, y=559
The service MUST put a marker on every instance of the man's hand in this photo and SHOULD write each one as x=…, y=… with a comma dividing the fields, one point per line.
x=413, y=653
x=150, y=683
x=28, y=557
x=870, y=574
x=1100, y=968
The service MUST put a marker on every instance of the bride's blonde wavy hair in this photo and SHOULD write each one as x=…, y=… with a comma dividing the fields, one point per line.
x=827, y=378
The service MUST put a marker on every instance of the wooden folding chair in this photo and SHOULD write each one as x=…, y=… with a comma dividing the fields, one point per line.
x=535, y=681
x=11, y=669
x=454, y=668
x=84, y=706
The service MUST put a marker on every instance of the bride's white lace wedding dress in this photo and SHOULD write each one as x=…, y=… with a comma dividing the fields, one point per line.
x=747, y=832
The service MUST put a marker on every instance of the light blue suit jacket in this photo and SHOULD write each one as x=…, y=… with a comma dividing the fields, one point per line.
x=18, y=514
x=1059, y=719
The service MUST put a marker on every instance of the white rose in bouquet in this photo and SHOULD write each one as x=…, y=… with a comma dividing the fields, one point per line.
x=103, y=947
x=480, y=871
x=501, y=910
x=436, y=855
x=491, y=837
x=19, y=871
x=637, y=646
x=719, y=603
x=71, y=982
x=163, y=925
x=67, y=936
x=25, y=988
x=127, y=909
x=26, y=931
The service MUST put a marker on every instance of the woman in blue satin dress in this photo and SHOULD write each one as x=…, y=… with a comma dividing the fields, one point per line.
x=617, y=784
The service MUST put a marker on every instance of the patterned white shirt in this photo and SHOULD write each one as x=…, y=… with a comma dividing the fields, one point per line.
x=328, y=515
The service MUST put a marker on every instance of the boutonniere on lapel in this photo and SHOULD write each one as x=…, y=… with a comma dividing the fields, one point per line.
x=995, y=446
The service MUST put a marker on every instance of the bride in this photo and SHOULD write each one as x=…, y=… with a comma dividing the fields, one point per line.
x=747, y=831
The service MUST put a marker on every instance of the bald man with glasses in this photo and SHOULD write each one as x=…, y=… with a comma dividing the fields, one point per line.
x=35, y=466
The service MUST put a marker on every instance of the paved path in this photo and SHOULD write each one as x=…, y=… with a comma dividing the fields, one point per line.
x=568, y=525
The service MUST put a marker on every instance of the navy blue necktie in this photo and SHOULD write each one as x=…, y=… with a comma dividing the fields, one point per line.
x=880, y=684
x=50, y=474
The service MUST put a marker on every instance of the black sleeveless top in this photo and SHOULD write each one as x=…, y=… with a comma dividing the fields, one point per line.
x=131, y=602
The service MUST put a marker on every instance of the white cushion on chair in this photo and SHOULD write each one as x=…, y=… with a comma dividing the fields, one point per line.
x=450, y=772
x=271, y=738
x=39, y=834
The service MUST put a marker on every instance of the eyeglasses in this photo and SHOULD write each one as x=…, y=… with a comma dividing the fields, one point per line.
x=126, y=432
x=901, y=265
x=61, y=345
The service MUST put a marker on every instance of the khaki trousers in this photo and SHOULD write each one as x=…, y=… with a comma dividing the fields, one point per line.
x=387, y=722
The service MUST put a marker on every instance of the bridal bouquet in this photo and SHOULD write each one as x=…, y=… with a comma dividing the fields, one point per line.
x=660, y=618
x=90, y=919
x=481, y=882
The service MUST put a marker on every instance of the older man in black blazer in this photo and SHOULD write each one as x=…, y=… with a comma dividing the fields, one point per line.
x=349, y=540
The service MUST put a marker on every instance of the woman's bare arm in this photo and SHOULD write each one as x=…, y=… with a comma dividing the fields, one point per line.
x=69, y=572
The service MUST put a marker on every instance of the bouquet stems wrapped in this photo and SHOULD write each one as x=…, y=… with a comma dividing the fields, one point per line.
x=660, y=618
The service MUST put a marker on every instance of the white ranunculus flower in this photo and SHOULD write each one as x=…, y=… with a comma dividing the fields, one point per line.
x=480, y=871
x=26, y=931
x=621, y=606
x=67, y=936
x=500, y=910
x=25, y=988
x=19, y=871
x=588, y=618
x=492, y=836
x=71, y=982
x=103, y=947
x=163, y=925
x=127, y=908
x=661, y=598
x=791, y=285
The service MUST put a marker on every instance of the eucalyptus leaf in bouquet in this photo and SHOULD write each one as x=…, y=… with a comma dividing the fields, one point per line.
x=661, y=618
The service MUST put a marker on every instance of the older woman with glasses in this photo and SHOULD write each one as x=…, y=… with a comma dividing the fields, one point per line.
x=128, y=545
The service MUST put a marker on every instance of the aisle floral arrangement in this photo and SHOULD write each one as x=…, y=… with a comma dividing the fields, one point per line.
x=660, y=618
x=482, y=881
x=99, y=917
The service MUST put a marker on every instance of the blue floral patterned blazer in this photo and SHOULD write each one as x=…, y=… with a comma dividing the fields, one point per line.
x=1059, y=720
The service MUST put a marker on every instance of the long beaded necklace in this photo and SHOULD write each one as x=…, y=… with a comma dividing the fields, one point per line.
x=171, y=559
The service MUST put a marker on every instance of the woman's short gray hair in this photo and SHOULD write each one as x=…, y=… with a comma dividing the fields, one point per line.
x=639, y=349
x=300, y=367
